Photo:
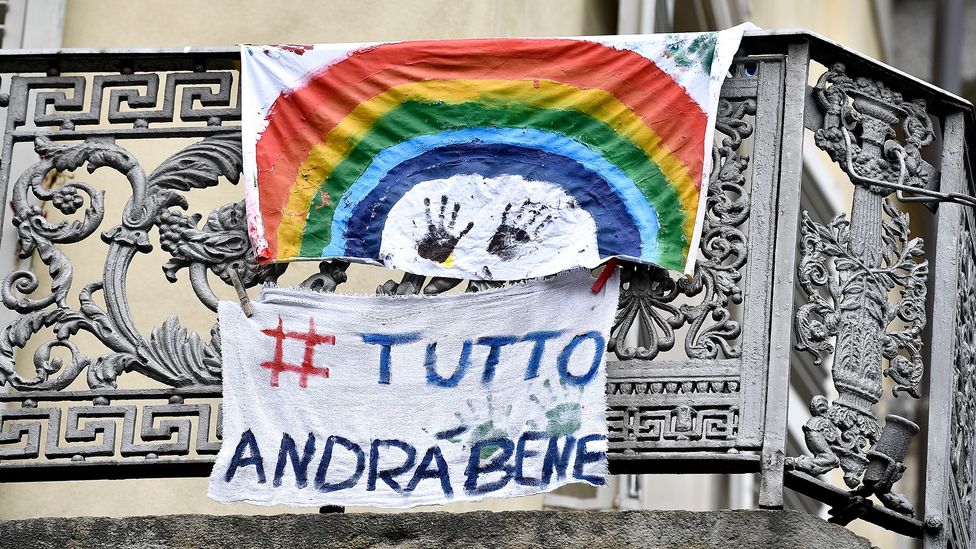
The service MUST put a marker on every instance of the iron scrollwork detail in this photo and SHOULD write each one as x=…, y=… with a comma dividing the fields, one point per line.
x=859, y=134
x=849, y=270
x=222, y=245
x=962, y=426
x=853, y=284
x=171, y=354
x=647, y=293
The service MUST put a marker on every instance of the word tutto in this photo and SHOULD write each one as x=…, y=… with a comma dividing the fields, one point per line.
x=495, y=345
x=534, y=459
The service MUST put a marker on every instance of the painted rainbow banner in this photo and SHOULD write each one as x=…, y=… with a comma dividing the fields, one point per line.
x=488, y=159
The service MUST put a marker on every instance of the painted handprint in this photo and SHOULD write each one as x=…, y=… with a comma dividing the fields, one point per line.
x=514, y=234
x=439, y=242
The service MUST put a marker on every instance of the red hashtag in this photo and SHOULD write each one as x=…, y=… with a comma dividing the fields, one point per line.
x=311, y=339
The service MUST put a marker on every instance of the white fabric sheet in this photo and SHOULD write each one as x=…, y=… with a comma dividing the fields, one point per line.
x=400, y=401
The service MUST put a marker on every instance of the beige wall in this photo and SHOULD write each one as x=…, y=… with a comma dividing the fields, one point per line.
x=850, y=22
x=179, y=23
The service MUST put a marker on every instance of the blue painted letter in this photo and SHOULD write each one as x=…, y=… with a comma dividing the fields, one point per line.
x=495, y=344
x=386, y=475
x=600, y=347
x=238, y=460
x=539, y=338
x=320, y=484
x=433, y=454
x=430, y=364
x=557, y=461
x=299, y=465
x=499, y=462
x=387, y=341
x=521, y=454
x=584, y=457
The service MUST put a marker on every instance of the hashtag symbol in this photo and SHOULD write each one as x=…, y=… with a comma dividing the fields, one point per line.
x=306, y=369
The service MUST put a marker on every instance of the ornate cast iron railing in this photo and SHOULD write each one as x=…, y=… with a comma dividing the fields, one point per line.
x=701, y=369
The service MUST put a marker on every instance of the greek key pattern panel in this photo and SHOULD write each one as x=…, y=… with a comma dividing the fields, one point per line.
x=635, y=429
x=685, y=410
x=124, y=430
x=136, y=100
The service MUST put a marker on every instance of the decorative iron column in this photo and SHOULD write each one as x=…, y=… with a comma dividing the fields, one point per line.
x=860, y=262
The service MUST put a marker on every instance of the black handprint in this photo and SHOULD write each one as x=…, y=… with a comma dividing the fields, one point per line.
x=514, y=234
x=438, y=244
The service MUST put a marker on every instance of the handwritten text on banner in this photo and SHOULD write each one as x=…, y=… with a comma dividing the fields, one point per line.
x=402, y=401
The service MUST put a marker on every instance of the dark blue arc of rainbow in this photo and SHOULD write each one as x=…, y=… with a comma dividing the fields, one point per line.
x=616, y=231
x=616, y=205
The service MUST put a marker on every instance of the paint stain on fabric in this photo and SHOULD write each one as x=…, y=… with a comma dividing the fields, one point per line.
x=487, y=431
x=325, y=200
x=563, y=417
x=486, y=427
x=698, y=51
x=514, y=235
x=440, y=240
x=297, y=49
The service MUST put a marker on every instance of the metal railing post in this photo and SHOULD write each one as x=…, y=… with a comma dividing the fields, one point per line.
x=943, y=318
x=784, y=268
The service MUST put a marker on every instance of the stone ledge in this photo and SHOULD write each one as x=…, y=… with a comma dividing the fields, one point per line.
x=646, y=529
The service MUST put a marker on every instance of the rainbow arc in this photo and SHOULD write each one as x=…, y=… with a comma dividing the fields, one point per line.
x=607, y=125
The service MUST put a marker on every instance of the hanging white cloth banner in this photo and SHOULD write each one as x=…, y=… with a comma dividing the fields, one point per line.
x=494, y=159
x=412, y=400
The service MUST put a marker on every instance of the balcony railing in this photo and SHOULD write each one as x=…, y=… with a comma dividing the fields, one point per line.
x=700, y=379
